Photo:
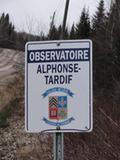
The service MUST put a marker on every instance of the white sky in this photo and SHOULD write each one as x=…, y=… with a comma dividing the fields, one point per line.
x=34, y=15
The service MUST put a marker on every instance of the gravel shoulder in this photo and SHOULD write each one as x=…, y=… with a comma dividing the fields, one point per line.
x=16, y=144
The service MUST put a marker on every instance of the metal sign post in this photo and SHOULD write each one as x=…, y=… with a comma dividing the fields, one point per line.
x=59, y=137
x=58, y=146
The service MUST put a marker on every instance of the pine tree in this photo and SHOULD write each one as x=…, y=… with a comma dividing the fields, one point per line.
x=99, y=18
x=59, y=31
x=102, y=56
x=114, y=37
x=53, y=33
x=6, y=32
x=66, y=34
x=72, y=32
x=83, y=26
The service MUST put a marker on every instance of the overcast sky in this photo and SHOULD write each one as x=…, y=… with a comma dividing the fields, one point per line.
x=34, y=15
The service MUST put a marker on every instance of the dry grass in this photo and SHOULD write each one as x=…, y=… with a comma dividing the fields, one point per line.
x=39, y=151
x=10, y=90
x=10, y=96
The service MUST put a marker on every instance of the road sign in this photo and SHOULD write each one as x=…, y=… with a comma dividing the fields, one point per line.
x=58, y=86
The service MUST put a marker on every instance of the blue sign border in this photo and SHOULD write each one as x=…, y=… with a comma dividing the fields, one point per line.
x=90, y=87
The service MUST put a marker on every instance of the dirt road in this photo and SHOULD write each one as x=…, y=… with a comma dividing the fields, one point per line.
x=10, y=62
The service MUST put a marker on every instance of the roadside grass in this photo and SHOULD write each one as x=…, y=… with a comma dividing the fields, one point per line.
x=10, y=97
x=7, y=111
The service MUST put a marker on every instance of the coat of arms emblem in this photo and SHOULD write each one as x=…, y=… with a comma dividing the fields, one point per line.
x=57, y=107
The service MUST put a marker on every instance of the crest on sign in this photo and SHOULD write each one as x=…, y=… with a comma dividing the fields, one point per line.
x=57, y=107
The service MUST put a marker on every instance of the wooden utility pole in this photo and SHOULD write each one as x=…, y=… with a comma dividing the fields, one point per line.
x=59, y=137
x=64, y=19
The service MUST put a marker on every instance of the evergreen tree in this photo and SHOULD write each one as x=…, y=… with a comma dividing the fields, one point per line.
x=59, y=31
x=99, y=18
x=114, y=38
x=102, y=55
x=83, y=26
x=6, y=32
x=72, y=32
x=53, y=33
x=66, y=34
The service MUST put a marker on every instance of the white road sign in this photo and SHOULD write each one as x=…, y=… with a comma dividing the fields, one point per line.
x=58, y=86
